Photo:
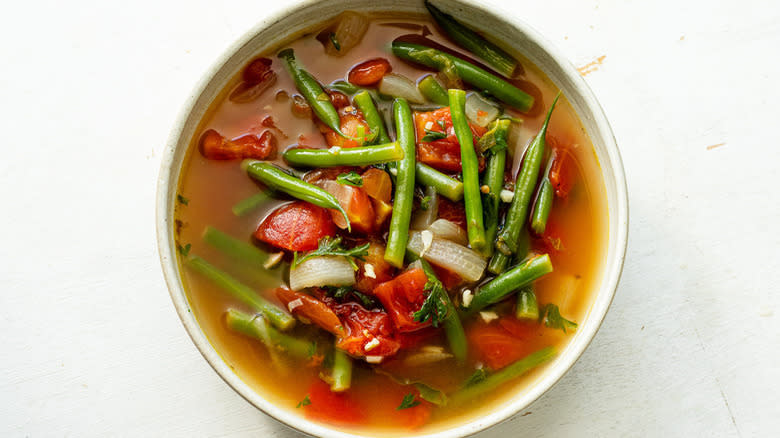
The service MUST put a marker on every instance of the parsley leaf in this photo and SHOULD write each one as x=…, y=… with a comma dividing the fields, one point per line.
x=184, y=250
x=182, y=200
x=332, y=247
x=425, y=203
x=304, y=402
x=433, y=135
x=340, y=293
x=551, y=317
x=442, y=124
x=478, y=376
x=351, y=179
x=434, y=307
x=335, y=41
x=409, y=401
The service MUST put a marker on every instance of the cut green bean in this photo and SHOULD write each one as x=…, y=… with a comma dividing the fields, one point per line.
x=357, y=156
x=312, y=91
x=453, y=329
x=502, y=286
x=251, y=203
x=278, y=179
x=500, y=261
x=256, y=326
x=473, y=42
x=470, y=167
x=341, y=374
x=527, y=307
x=241, y=292
x=446, y=186
x=238, y=250
x=544, y=201
x=478, y=77
x=432, y=90
x=398, y=234
x=503, y=376
x=494, y=180
x=344, y=87
x=376, y=124
x=517, y=215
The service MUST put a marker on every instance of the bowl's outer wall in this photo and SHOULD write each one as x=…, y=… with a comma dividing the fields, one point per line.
x=520, y=38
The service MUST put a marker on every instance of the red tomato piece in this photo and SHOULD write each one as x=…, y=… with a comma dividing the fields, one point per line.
x=216, y=147
x=298, y=226
x=377, y=184
x=339, y=99
x=357, y=204
x=368, y=332
x=332, y=407
x=449, y=279
x=561, y=174
x=441, y=153
x=402, y=296
x=301, y=304
x=496, y=346
x=382, y=271
x=256, y=70
x=369, y=72
x=351, y=122
x=452, y=211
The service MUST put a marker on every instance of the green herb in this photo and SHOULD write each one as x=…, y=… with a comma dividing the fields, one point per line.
x=335, y=41
x=433, y=135
x=431, y=394
x=441, y=124
x=434, y=307
x=478, y=376
x=332, y=247
x=312, y=349
x=409, y=401
x=551, y=317
x=304, y=402
x=365, y=299
x=184, y=250
x=425, y=202
x=341, y=292
x=351, y=179
x=495, y=139
x=182, y=200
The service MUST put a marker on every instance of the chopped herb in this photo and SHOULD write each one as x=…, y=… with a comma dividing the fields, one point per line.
x=431, y=394
x=304, y=402
x=478, y=376
x=332, y=247
x=550, y=315
x=184, y=250
x=441, y=124
x=335, y=41
x=433, y=135
x=365, y=299
x=340, y=293
x=351, y=179
x=409, y=401
x=434, y=307
x=312, y=349
x=182, y=200
x=425, y=203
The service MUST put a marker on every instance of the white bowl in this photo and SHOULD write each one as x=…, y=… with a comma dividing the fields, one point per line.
x=270, y=32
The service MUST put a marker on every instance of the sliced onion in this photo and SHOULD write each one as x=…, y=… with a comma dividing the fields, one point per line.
x=480, y=111
x=423, y=219
x=399, y=86
x=322, y=271
x=427, y=355
x=444, y=229
x=350, y=29
x=457, y=258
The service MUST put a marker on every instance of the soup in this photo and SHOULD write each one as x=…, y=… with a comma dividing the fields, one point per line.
x=379, y=231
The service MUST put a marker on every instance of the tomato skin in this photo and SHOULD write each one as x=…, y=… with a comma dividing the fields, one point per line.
x=383, y=271
x=297, y=226
x=351, y=121
x=363, y=326
x=369, y=72
x=502, y=343
x=402, y=297
x=561, y=175
x=452, y=211
x=442, y=154
x=214, y=146
x=310, y=308
x=332, y=407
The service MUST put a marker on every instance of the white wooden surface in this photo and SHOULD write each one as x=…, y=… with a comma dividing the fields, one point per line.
x=91, y=343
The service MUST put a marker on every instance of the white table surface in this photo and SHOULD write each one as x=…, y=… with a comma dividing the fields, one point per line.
x=92, y=345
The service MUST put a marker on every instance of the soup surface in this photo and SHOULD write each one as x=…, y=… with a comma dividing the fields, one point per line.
x=406, y=373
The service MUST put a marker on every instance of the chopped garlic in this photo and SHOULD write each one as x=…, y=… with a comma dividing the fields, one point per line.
x=488, y=316
x=394, y=171
x=370, y=345
x=273, y=260
x=349, y=108
x=368, y=268
x=374, y=359
x=335, y=150
x=427, y=239
x=506, y=196
x=294, y=304
x=467, y=297
x=429, y=125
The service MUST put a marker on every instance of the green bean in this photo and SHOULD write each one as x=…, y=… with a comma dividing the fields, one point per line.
x=318, y=99
x=358, y=156
x=526, y=307
x=456, y=336
x=503, y=376
x=500, y=261
x=517, y=214
x=500, y=287
x=276, y=178
x=471, y=41
x=238, y=250
x=341, y=372
x=494, y=180
x=446, y=186
x=398, y=234
x=344, y=87
x=544, y=201
x=432, y=90
x=468, y=158
x=478, y=77
x=256, y=326
x=241, y=292
x=248, y=204
x=365, y=103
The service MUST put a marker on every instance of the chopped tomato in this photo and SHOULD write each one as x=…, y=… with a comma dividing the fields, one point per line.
x=368, y=332
x=257, y=77
x=301, y=304
x=216, y=147
x=402, y=296
x=561, y=175
x=298, y=226
x=452, y=211
x=300, y=108
x=442, y=153
x=383, y=210
x=369, y=72
x=380, y=270
x=497, y=346
x=415, y=416
x=449, y=279
x=550, y=242
x=377, y=184
x=332, y=407
x=256, y=70
x=339, y=99
x=353, y=125
x=355, y=202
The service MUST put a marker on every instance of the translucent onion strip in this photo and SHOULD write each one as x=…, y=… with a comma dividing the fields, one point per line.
x=456, y=258
x=444, y=229
x=322, y=271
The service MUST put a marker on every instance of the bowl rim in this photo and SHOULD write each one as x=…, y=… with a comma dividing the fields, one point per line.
x=168, y=179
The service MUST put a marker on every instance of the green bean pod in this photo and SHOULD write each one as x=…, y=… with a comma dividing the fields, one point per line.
x=398, y=234
x=470, y=167
x=344, y=87
x=453, y=328
x=494, y=180
x=544, y=201
x=341, y=374
x=255, y=326
x=478, y=77
x=357, y=156
x=237, y=249
x=376, y=124
x=432, y=90
x=500, y=287
x=527, y=307
x=446, y=186
x=277, y=179
x=249, y=204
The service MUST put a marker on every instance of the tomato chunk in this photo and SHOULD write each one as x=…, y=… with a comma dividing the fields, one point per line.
x=216, y=147
x=377, y=184
x=452, y=211
x=352, y=124
x=301, y=304
x=402, y=296
x=355, y=202
x=297, y=226
x=332, y=407
x=497, y=346
x=369, y=72
x=380, y=270
x=443, y=150
x=368, y=332
x=339, y=99
x=256, y=70
x=561, y=173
